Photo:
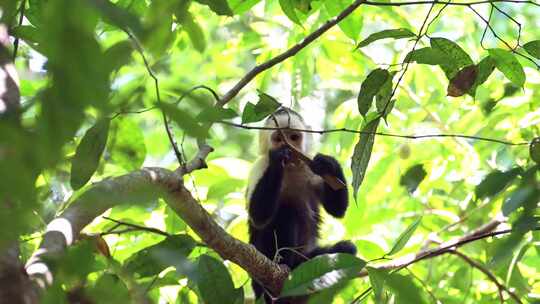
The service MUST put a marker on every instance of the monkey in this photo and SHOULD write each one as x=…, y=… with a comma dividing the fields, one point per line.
x=284, y=195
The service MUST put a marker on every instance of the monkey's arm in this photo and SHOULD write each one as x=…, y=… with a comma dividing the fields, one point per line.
x=335, y=202
x=264, y=199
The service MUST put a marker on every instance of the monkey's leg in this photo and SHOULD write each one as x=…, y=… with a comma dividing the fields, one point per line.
x=339, y=247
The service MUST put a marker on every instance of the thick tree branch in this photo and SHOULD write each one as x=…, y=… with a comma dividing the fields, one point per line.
x=288, y=53
x=140, y=187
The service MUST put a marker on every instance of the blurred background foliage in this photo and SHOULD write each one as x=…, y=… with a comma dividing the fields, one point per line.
x=81, y=73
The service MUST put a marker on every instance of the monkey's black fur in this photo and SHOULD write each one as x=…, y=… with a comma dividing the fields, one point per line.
x=277, y=222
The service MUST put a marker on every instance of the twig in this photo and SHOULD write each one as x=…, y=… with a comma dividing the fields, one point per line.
x=21, y=18
x=288, y=53
x=489, y=274
x=140, y=50
x=405, y=3
x=139, y=227
x=492, y=30
x=494, y=140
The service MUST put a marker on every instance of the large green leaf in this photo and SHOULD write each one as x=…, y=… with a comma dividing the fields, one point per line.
x=370, y=87
x=184, y=120
x=322, y=272
x=257, y=112
x=533, y=48
x=413, y=177
x=287, y=6
x=88, y=153
x=456, y=57
x=362, y=154
x=384, y=34
x=405, y=236
x=195, y=32
x=426, y=55
x=495, y=182
x=404, y=289
x=377, y=278
x=172, y=251
x=485, y=68
x=220, y=7
x=352, y=25
x=214, y=281
x=518, y=198
x=127, y=146
x=117, y=16
x=507, y=63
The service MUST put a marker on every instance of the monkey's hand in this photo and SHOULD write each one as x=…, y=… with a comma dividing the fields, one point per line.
x=323, y=164
x=280, y=156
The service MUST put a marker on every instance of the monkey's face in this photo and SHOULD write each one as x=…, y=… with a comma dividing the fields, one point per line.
x=294, y=138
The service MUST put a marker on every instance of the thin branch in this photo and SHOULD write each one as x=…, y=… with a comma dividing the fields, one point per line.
x=489, y=274
x=346, y=130
x=406, y=68
x=492, y=30
x=140, y=50
x=288, y=53
x=138, y=227
x=514, y=21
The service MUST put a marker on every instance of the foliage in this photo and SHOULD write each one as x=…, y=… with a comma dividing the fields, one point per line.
x=97, y=76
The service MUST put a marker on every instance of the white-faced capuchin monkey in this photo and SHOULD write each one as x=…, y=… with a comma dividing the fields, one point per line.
x=284, y=194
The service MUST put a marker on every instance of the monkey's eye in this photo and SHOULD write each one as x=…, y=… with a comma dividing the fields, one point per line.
x=294, y=137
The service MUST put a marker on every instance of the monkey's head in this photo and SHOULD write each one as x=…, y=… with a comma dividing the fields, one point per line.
x=286, y=118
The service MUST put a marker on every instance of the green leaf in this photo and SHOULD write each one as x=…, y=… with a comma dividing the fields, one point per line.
x=426, y=55
x=264, y=107
x=533, y=48
x=88, y=153
x=118, y=55
x=369, y=88
x=517, y=199
x=117, y=16
x=362, y=154
x=495, y=182
x=405, y=236
x=195, y=32
x=287, y=6
x=413, y=177
x=393, y=33
x=455, y=57
x=383, y=97
x=534, y=150
x=128, y=149
x=220, y=7
x=173, y=251
x=219, y=189
x=184, y=120
x=377, y=278
x=350, y=26
x=108, y=288
x=242, y=6
x=322, y=272
x=485, y=68
x=214, y=281
x=507, y=63
x=213, y=114
x=404, y=289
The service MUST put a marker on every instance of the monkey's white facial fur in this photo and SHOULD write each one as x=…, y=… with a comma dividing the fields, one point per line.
x=271, y=139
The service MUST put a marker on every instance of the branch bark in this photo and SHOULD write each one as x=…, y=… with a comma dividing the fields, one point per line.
x=139, y=187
